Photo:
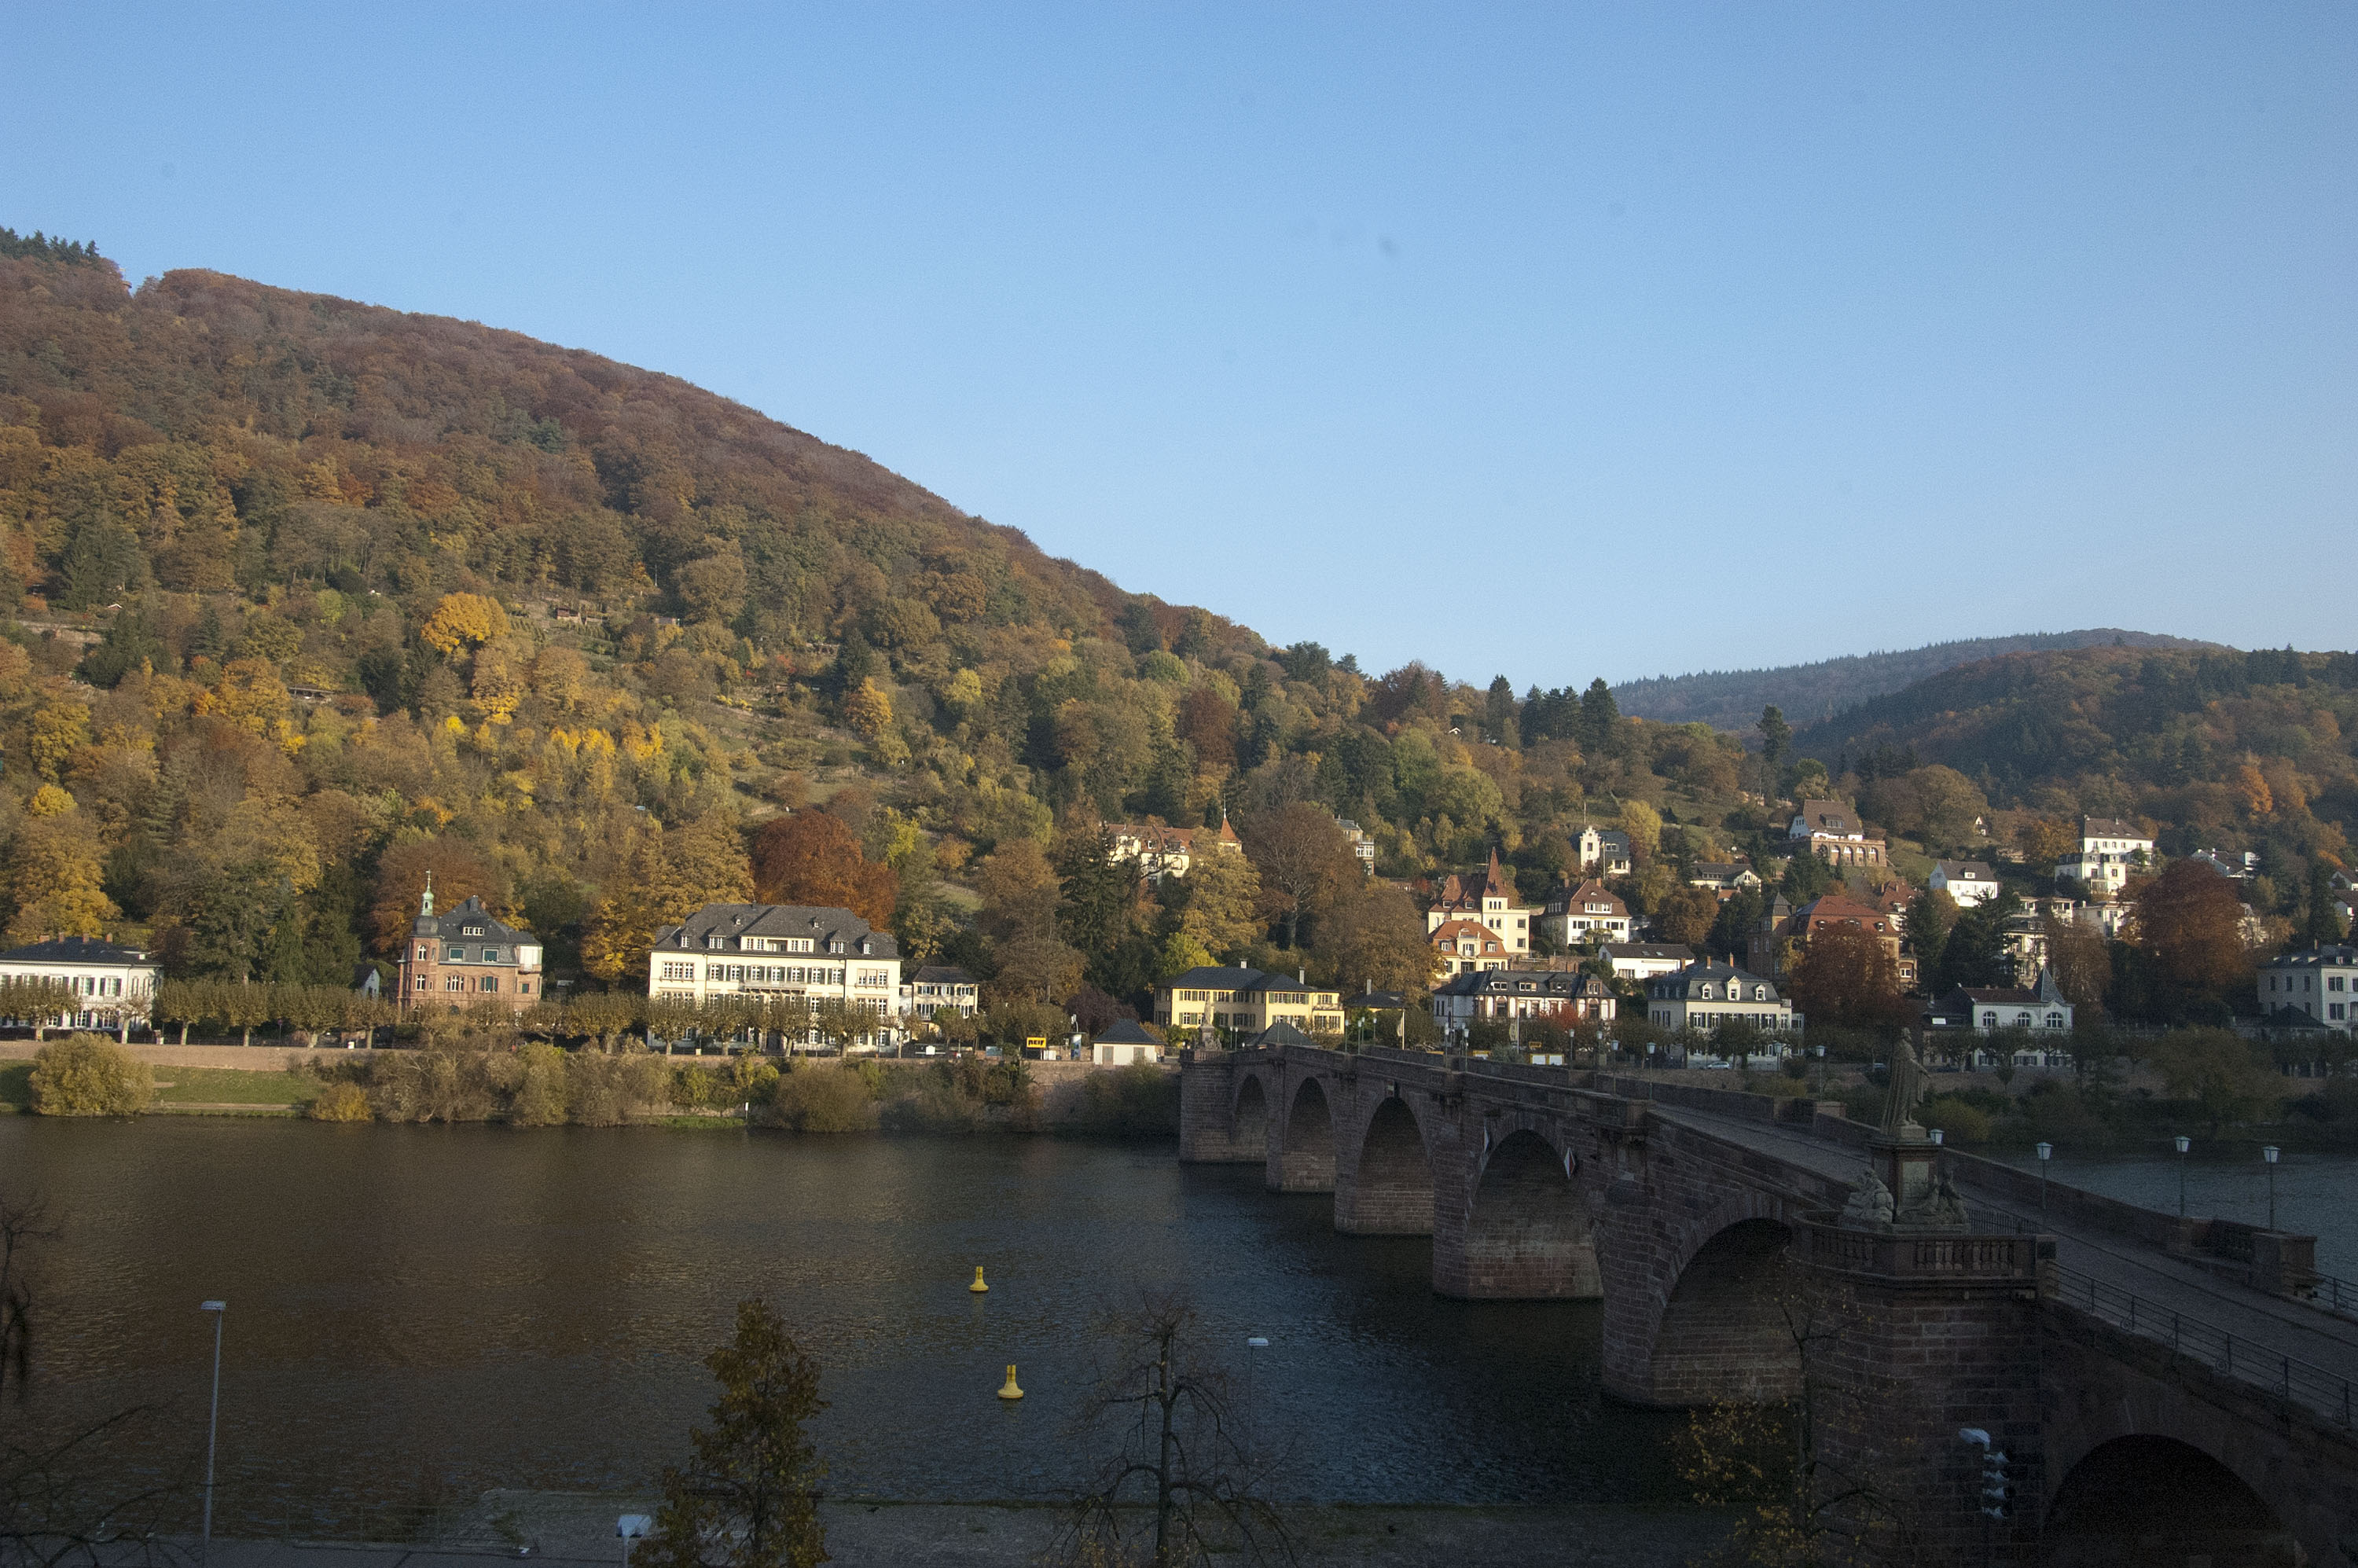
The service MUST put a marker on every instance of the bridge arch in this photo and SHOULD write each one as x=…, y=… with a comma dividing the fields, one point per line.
x=1699, y=1316
x=1388, y=1190
x=1250, y=1117
x=1526, y=1234
x=1302, y=1159
x=2143, y=1498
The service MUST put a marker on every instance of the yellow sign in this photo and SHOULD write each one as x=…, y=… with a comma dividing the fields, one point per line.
x=1035, y=1042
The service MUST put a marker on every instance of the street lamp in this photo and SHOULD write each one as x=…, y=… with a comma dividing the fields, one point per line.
x=2184, y=1143
x=631, y=1528
x=2269, y=1154
x=2046, y=1152
x=212, y=1428
x=1252, y=1344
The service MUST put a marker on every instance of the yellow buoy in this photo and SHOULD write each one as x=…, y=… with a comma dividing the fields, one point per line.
x=1008, y=1391
x=978, y=1287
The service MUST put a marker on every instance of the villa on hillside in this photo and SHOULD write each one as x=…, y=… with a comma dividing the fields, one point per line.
x=466, y=956
x=1163, y=852
x=790, y=952
x=1243, y=1002
x=1487, y=898
x=112, y=986
x=1831, y=831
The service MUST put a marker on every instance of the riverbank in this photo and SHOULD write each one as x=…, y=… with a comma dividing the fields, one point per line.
x=578, y=1527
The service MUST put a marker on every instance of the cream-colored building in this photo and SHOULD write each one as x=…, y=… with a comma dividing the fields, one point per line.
x=1487, y=897
x=112, y=987
x=1246, y=1001
x=783, y=951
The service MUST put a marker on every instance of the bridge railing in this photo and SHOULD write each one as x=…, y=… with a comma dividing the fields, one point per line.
x=2329, y=1394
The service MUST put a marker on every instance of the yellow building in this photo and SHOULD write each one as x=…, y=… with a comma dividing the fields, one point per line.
x=1245, y=1001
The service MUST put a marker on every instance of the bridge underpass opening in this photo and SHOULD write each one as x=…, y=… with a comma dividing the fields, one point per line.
x=1306, y=1164
x=1253, y=1119
x=1391, y=1189
x=1723, y=1336
x=1526, y=1237
x=2154, y=1500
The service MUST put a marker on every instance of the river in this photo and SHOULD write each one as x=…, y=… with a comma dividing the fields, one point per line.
x=413, y=1308
x=2317, y=1194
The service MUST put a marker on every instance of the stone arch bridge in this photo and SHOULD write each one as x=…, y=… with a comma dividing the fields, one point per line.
x=2164, y=1390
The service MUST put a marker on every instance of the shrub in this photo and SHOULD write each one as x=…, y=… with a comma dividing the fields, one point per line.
x=84, y=1074
x=1136, y=1101
x=541, y=1086
x=340, y=1101
x=1960, y=1122
x=814, y=1099
x=607, y=1091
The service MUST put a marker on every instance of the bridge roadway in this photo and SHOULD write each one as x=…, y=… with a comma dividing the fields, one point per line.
x=2273, y=1326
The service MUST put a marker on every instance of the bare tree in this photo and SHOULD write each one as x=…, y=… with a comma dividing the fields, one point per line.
x=1181, y=1480
x=50, y=1515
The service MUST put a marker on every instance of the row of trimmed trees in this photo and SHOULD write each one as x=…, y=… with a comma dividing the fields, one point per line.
x=605, y=1018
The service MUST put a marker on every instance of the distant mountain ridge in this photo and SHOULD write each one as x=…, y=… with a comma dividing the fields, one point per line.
x=1732, y=699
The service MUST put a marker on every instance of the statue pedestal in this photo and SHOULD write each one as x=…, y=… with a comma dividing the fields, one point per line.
x=1903, y=1188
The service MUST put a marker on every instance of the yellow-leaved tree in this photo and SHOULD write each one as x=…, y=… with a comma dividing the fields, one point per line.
x=668, y=877
x=867, y=710
x=463, y=621
x=54, y=879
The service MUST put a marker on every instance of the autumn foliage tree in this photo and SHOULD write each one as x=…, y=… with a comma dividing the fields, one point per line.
x=1846, y=976
x=2191, y=919
x=812, y=857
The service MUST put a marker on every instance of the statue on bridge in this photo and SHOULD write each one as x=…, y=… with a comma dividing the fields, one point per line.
x=1906, y=1088
x=1904, y=1187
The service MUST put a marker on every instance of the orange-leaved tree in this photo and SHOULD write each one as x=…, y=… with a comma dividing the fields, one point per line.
x=811, y=858
x=2191, y=918
x=1847, y=975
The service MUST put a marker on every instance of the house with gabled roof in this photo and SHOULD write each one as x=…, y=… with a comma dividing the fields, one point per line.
x=1242, y=1001
x=1487, y=896
x=791, y=953
x=1832, y=830
x=1591, y=913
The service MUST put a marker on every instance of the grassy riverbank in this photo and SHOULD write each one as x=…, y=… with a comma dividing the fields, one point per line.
x=536, y=1085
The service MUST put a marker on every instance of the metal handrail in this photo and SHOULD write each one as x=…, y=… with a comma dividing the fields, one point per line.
x=2328, y=1393
x=2328, y=1293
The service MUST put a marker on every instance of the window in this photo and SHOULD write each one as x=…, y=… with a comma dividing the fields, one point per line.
x=491, y=982
x=454, y=983
x=2054, y=1021
x=425, y=952
x=470, y=931
x=421, y=982
x=457, y=955
x=491, y=955
x=523, y=987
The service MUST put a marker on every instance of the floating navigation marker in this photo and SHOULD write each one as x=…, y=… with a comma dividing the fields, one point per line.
x=1008, y=1390
x=978, y=1287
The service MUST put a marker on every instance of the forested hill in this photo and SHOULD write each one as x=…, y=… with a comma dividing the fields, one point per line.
x=1732, y=699
x=2219, y=748
x=344, y=433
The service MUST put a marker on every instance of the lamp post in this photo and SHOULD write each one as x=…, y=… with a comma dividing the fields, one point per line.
x=2046, y=1152
x=1252, y=1348
x=2184, y=1143
x=212, y=1428
x=2270, y=1154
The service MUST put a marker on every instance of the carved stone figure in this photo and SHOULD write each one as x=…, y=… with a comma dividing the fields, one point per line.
x=1870, y=1202
x=1907, y=1088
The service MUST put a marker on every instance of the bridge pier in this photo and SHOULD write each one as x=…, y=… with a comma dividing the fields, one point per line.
x=1383, y=1178
x=1301, y=1145
x=1214, y=1127
x=1514, y=1226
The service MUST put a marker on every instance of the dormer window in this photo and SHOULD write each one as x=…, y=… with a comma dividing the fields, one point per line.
x=470, y=931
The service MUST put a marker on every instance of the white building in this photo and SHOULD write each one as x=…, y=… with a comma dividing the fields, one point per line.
x=939, y=988
x=1576, y=917
x=1968, y=883
x=1125, y=1044
x=1834, y=832
x=1702, y=998
x=2111, y=852
x=113, y=987
x=2321, y=983
x=1644, y=960
x=785, y=951
x=1604, y=851
x=1986, y=1010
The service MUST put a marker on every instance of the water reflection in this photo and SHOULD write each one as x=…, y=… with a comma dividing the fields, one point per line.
x=528, y=1309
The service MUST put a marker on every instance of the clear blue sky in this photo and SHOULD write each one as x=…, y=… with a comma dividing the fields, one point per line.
x=1553, y=341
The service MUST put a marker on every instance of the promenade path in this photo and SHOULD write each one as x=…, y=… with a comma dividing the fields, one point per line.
x=2271, y=1341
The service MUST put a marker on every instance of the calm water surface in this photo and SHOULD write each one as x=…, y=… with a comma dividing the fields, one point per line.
x=527, y=1309
x=2316, y=1194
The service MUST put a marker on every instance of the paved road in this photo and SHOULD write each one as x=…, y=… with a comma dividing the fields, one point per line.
x=2266, y=1328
